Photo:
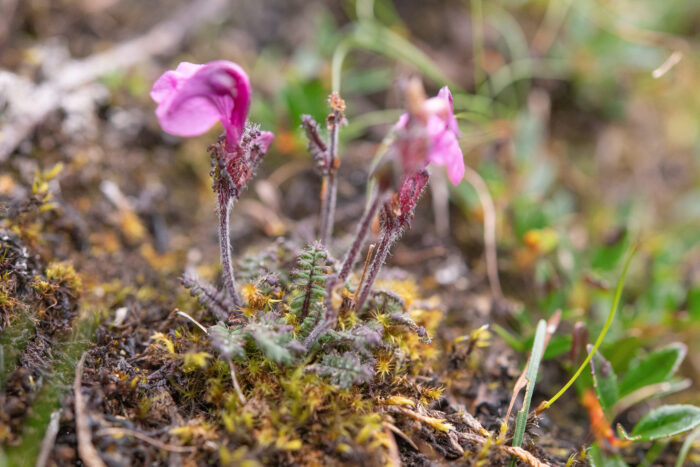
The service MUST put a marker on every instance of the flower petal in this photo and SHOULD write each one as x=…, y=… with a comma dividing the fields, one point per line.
x=167, y=84
x=265, y=140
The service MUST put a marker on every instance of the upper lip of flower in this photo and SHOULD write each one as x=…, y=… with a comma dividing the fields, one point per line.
x=192, y=98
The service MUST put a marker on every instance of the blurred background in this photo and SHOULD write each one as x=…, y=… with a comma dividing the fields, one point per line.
x=582, y=117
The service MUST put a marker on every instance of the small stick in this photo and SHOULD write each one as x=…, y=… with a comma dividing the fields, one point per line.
x=49, y=439
x=185, y=315
x=112, y=431
x=241, y=397
x=368, y=259
x=394, y=459
x=520, y=453
x=373, y=271
x=486, y=201
x=86, y=450
x=394, y=429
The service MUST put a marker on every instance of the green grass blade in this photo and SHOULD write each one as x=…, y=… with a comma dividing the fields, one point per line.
x=533, y=367
x=685, y=449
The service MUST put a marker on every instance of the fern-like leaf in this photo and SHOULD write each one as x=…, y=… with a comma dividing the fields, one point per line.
x=229, y=342
x=309, y=279
x=360, y=338
x=274, y=339
x=216, y=301
x=346, y=369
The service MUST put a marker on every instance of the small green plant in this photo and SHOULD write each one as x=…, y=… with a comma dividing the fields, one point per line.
x=649, y=377
x=297, y=328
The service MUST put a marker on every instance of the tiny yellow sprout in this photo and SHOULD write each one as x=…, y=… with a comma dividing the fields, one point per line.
x=480, y=337
x=194, y=360
x=165, y=340
x=399, y=400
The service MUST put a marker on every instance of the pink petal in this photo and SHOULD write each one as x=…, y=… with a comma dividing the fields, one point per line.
x=445, y=94
x=403, y=121
x=168, y=82
x=193, y=117
x=265, y=140
x=444, y=149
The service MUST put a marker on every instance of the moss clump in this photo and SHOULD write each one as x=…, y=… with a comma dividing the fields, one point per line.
x=331, y=398
x=64, y=273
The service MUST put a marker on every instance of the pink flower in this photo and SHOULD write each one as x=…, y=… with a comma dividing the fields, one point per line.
x=192, y=98
x=436, y=116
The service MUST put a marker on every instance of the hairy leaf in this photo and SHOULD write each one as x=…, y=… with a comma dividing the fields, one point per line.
x=229, y=342
x=345, y=369
x=666, y=421
x=604, y=380
x=657, y=367
x=309, y=279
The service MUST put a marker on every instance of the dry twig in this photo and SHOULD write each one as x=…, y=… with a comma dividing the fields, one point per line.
x=115, y=431
x=86, y=450
x=43, y=99
x=49, y=439
x=520, y=453
x=489, y=209
x=241, y=397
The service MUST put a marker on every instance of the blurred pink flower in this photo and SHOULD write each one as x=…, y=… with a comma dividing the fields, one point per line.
x=192, y=98
x=437, y=116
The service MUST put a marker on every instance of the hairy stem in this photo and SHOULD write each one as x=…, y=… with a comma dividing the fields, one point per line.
x=368, y=259
x=225, y=203
x=330, y=189
x=387, y=241
x=360, y=236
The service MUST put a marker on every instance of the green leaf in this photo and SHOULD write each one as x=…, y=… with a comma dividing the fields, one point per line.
x=621, y=352
x=657, y=367
x=510, y=339
x=694, y=303
x=599, y=459
x=604, y=381
x=666, y=421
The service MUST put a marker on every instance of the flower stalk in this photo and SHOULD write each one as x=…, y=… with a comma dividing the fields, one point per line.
x=225, y=204
x=329, y=190
x=361, y=235
x=396, y=215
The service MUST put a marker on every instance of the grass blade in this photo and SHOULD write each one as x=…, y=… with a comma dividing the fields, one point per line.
x=533, y=367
